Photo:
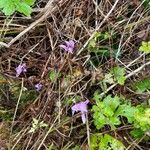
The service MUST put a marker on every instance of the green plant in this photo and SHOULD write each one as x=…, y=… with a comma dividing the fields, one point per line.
x=142, y=86
x=108, y=112
x=145, y=47
x=8, y=7
x=119, y=74
x=36, y=125
x=76, y=148
x=6, y=115
x=93, y=46
x=53, y=75
x=50, y=147
x=146, y=3
x=105, y=142
x=108, y=79
x=26, y=96
x=141, y=121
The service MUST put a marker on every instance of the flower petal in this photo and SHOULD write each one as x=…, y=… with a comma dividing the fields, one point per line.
x=86, y=102
x=38, y=86
x=70, y=50
x=20, y=69
x=67, y=43
x=71, y=44
x=64, y=47
x=83, y=118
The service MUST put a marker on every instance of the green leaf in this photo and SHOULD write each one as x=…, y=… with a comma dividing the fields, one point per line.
x=119, y=74
x=108, y=142
x=145, y=47
x=53, y=75
x=106, y=35
x=137, y=133
x=8, y=8
x=127, y=111
x=36, y=125
x=105, y=112
x=109, y=111
x=149, y=102
x=97, y=96
x=2, y=3
x=92, y=43
x=108, y=78
x=24, y=9
x=114, y=121
x=29, y=2
x=142, y=118
x=146, y=3
x=112, y=102
x=105, y=142
x=76, y=148
x=94, y=142
x=142, y=86
x=50, y=147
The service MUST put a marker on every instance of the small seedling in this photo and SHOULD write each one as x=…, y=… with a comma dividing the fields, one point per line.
x=36, y=125
x=119, y=75
x=145, y=47
x=53, y=75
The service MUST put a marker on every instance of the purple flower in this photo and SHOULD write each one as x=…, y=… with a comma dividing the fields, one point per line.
x=21, y=68
x=38, y=86
x=81, y=107
x=68, y=46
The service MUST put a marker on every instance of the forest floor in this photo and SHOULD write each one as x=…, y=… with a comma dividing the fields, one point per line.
x=85, y=83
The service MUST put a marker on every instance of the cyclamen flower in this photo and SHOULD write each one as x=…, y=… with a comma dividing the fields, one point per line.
x=68, y=46
x=21, y=69
x=81, y=107
x=38, y=86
